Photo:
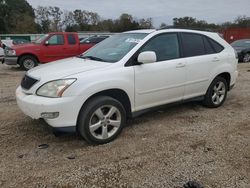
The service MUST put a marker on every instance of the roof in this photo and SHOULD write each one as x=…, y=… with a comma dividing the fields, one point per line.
x=168, y=30
x=141, y=31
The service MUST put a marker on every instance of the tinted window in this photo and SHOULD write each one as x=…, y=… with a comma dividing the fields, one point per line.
x=96, y=40
x=241, y=43
x=71, y=39
x=165, y=46
x=100, y=39
x=217, y=47
x=193, y=45
x=56, y=40
x=208, y=46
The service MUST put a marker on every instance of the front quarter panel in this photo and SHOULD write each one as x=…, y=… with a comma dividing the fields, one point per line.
x=90, y=83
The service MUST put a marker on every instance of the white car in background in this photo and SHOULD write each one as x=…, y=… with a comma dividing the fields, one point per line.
x=125, y=75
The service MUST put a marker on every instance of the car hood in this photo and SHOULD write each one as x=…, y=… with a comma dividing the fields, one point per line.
x=23, y=46
x=64, y=68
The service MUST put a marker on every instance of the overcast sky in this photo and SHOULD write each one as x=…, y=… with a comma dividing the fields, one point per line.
x=216, y=11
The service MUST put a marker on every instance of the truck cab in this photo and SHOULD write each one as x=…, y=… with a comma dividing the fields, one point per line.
x=50, y=47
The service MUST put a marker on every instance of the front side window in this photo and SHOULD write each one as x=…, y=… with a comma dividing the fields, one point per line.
x=56, y=40
x=166, y=47
x=114, y=48
x=41, y=39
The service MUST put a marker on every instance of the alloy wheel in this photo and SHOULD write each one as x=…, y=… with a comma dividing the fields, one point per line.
x=105, y=122
x=28, y=64
x=219, y=92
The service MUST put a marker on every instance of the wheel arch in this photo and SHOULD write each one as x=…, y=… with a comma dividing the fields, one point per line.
x=27, y=54
x=227, y=77
x=115, y=93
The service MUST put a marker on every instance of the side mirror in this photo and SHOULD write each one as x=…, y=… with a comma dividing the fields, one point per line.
x=46, y=43
x=147, y=57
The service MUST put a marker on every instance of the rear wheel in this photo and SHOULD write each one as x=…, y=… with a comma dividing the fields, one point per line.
x=28, y=62
x=101, y=120
x=216, y=93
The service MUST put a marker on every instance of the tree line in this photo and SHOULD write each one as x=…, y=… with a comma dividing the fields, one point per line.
x=18, y=16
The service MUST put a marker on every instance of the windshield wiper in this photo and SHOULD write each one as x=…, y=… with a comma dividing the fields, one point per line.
x=91, y=57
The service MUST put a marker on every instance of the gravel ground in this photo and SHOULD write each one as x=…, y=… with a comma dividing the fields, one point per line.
x=162, y=149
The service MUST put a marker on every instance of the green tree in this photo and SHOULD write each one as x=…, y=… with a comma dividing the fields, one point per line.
x=16, y=13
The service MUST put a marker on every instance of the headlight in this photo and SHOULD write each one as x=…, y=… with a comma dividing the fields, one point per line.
x=54, y=88
x=10, y=52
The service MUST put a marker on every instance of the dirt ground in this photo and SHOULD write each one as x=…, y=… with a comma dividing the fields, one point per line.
x=162, y=149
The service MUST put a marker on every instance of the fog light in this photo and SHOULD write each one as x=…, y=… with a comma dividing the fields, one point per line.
x=49, y=115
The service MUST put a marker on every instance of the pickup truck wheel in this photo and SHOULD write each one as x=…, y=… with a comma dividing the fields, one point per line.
x=246, y=58
x=101, y=120
x=216, y=93
x=28, y=62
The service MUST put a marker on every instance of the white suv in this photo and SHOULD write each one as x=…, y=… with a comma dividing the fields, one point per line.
x=125, y=75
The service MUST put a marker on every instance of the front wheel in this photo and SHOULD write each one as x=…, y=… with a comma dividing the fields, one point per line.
x=28, y=62
x=101, y=120
x=216, y=93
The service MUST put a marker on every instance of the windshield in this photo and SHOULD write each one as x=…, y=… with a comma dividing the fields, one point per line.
x=241, y=43
x=114, y=48
x=41, y=39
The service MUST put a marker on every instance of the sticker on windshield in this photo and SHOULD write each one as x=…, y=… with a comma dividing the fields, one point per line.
x=132, y=40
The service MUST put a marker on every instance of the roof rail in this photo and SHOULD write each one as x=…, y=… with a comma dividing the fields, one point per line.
x=189, y=28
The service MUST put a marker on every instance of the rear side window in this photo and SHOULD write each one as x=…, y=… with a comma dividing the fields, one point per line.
x=71, y=39
x=166, y=47
x=193, y=45
x=217, y=47
x=208, y=46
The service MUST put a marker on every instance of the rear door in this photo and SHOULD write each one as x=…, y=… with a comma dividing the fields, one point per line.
x=201, y=58
x=55, y=49
x=72, y=49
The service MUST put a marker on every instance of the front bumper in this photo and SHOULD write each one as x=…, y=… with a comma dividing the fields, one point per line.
x=10, y=60
x=33, y=106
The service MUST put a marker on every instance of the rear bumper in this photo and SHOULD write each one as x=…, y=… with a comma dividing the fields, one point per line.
x=9, y=60
x=234, y=77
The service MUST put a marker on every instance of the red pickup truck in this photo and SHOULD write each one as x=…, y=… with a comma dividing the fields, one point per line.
x=50, y=47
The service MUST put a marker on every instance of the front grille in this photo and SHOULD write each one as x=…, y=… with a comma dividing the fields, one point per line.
x=28, y=82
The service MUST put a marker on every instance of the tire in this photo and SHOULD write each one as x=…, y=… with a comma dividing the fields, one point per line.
x=216, y=93
x=101, y=111
x=246, y=58
x=28, y=62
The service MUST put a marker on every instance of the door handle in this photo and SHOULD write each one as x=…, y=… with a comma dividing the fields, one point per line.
x=215, y=59
x=180, y=65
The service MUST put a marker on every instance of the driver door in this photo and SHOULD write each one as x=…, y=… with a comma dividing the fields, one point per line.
x=163, y=81
x=55, y=49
